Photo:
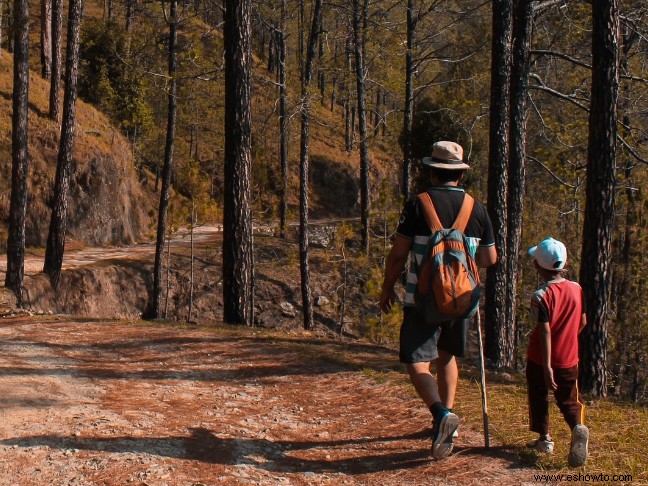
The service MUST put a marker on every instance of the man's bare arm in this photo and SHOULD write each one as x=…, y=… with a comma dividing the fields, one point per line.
x=485, y=256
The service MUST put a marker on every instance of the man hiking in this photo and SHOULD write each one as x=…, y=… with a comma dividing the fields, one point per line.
x=421, y=343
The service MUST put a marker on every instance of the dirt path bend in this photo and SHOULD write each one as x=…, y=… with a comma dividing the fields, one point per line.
x=107, y=403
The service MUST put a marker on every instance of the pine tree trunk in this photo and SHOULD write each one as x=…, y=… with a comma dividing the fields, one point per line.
x=192, y=258
x=155, y=306
x=46, y=38
x=238, y=264
x=130, y=7
x=629, y=254
x=307, y=305
x=599, y=199
x=58, y=222
x=19, y=152
x=347, y=125
x=359, y=28
x=283, y=122
x=408, y=108
x=272, y=52
x=2, y=6
x=376, y=120
x=522, y=32
x=496, y=281
x=55, y=77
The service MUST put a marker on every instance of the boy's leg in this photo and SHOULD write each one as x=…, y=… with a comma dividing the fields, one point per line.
x=538, y=395
x=567, y=397
x=574, y=413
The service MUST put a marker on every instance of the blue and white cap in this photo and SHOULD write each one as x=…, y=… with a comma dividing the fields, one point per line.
x=550, y=254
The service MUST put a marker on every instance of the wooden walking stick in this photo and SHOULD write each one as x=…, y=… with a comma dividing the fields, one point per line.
x=482, y=372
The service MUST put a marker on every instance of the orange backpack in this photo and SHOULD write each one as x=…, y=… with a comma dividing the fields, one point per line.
x=448, y=281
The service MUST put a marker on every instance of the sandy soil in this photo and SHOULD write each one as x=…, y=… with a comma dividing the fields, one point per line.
x=110, y=403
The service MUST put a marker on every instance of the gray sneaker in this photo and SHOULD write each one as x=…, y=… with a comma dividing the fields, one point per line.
x=578, y=450
x=542, y=445
x=442, y=431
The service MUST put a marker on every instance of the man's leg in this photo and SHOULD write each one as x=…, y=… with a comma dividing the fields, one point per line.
x=448, y=376
x=445, y=422
x=451, y=343
x=424, y=382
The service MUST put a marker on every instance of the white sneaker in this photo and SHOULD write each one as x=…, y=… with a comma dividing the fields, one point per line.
x=578, y=450
x=542, y=445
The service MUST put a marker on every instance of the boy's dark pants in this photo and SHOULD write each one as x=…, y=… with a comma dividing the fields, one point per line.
x=566, y=397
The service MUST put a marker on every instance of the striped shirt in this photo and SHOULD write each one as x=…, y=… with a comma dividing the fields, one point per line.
x=447, y=202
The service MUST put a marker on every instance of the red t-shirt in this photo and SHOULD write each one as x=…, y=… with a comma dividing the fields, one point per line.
x=560, y=303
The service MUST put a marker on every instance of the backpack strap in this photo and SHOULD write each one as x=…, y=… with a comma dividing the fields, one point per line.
x=432, y=218
x=464, y=213
x=430, y=214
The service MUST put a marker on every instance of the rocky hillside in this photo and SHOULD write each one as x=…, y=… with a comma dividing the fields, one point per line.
x=108, y=204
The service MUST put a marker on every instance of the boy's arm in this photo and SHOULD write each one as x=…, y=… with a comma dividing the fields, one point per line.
x=583, y=321
x=545, y=346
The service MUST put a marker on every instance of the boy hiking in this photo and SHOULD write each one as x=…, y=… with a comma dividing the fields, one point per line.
x=552, y=360
x=422, y=343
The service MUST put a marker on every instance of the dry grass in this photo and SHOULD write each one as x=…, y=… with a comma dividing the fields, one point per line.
x=618, y=431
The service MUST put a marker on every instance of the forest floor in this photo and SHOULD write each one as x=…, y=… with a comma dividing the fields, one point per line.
x=92, y=402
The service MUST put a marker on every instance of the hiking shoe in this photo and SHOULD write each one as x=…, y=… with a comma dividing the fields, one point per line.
x=578, y=450
x=445, y=425
x=542, y=445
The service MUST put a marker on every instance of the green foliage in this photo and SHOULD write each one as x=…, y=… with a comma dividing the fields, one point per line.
x=107, y=81
x=383, y=328
x=192, y=183
x=431, y=123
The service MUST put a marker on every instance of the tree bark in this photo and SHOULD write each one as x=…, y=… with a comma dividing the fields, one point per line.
x=599, y=200
x=283, y=122
x=2, y=6
x=629, y=255
x=58, y=221
x=46, y=38
x=348, y=143
x=496, y=281
x=359, y=29
x=155, y=306
x=522, y=33
x=307, y=305
x=408, y=108
x=19, y=152
x=272, y=52
x=238, y=264
x=130, y=7
x=55, y=77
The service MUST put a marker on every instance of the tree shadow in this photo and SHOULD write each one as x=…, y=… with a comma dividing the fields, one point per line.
x=278, y=456
x=32, y=106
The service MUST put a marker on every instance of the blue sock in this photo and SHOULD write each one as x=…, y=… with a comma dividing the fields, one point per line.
x=436, y=409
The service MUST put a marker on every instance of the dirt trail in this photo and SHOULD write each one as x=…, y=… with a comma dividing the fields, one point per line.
x=107, y=403
x=87, y=256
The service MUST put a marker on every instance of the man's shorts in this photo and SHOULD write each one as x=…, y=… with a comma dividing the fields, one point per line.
x=420, y=342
